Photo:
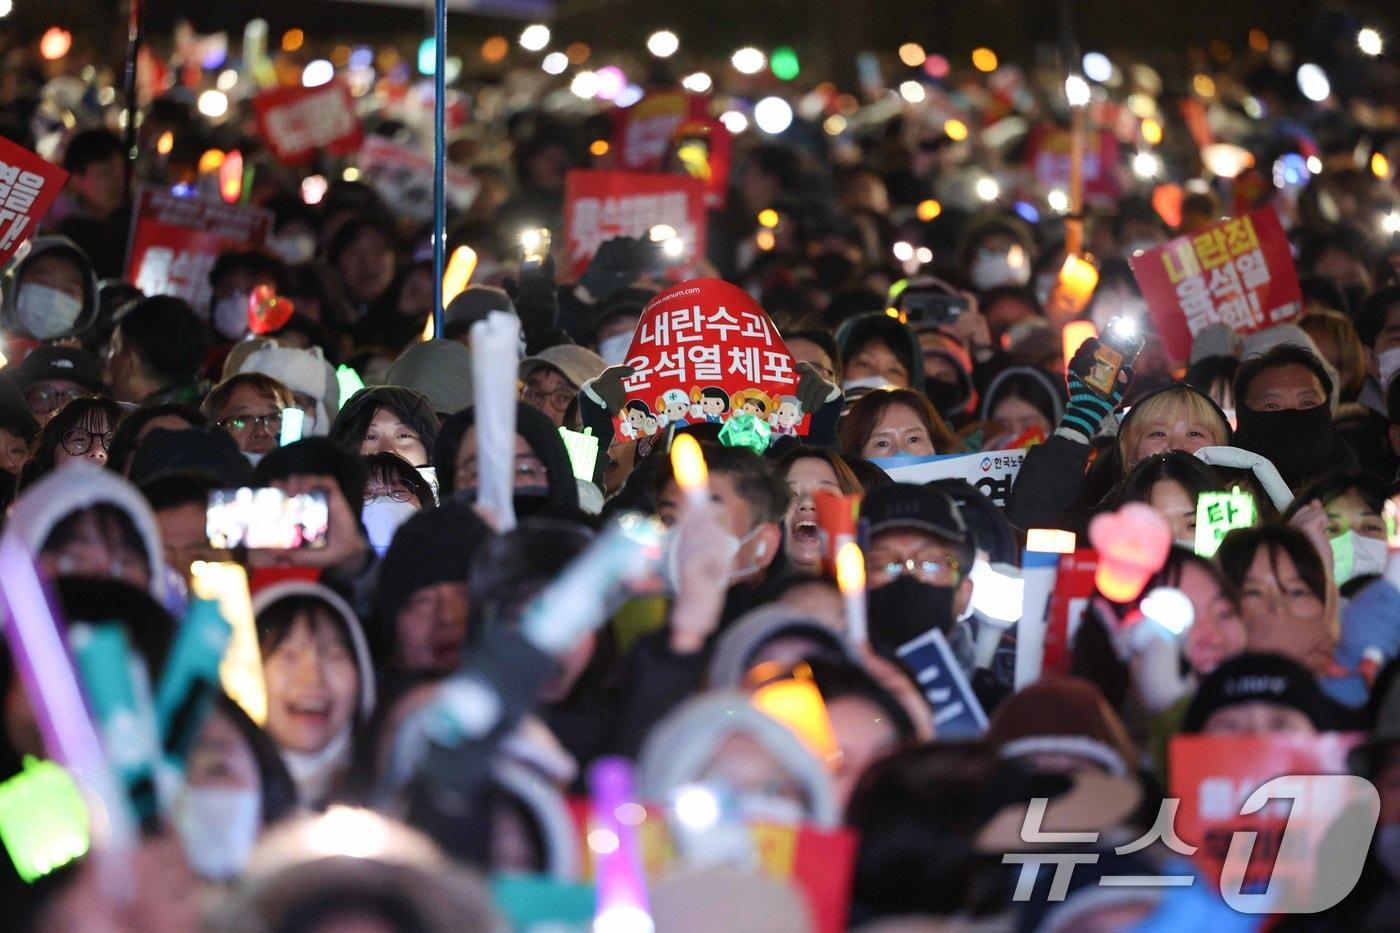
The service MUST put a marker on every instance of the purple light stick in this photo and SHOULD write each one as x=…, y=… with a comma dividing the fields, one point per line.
x=622, y=889
x=50, y=682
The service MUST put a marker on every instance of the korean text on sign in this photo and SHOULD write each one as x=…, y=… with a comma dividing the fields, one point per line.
x=1238, y=273
x=175, y=240
x=601, y=205
x=28, y=186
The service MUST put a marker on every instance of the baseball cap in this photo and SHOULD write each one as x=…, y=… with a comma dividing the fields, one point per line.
x=72, y=364
x=578, y=364
x=916, y=508
x=1257, y=677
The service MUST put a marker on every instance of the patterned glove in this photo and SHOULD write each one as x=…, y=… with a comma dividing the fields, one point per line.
x=1087, y=408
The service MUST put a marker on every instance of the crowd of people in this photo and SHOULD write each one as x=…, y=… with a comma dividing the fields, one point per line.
x=404, y=603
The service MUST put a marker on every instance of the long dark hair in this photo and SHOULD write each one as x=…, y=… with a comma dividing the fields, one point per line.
x=865, y=414
x=1240, y=546
x=1175, y=465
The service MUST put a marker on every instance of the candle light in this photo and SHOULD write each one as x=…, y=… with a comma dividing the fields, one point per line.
x=850, y=577
x=692, y=475
x=1076, y=282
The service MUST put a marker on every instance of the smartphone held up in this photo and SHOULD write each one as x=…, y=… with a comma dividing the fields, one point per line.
x=266, y=518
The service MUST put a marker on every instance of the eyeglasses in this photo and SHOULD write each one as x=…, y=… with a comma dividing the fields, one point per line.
x=397, y=493
x=935, y=569
x=241, y=423
x=79, y=441
x=43, y=400
x=559, y=399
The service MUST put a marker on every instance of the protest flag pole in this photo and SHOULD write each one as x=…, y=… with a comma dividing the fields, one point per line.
x=1078, y=108
x=439, y=159
x=133, y=49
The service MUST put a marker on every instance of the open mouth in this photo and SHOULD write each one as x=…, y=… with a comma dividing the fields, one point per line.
x=310, y=712
x=806, y=533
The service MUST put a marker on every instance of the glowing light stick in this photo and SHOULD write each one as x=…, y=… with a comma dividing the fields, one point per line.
x=1132, y=545
x=43, y=822
x=240, y=671
x=495, y=346
x=622, y=891
x=850, y=578
x=692, y=475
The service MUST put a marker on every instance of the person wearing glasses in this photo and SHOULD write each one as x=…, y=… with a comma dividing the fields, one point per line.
x=249, y=407
x=550, y=380
x=82, y=430
x=917, y=568
x=51, y=377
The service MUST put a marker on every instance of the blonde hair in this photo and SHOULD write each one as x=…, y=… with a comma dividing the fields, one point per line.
x=1351, y=358
x=1177, y=402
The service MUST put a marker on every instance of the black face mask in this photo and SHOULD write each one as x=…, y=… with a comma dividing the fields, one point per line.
x=904, y=609
x=1300, y=442
x=832, y=270
x=945, y=396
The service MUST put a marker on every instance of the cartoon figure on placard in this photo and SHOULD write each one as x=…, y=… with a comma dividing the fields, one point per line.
x=710, y=403
x=786, y=416
x=753, y=402
x=672, y=408
x=635, y=418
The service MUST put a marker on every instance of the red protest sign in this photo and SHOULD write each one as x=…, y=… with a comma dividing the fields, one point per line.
x=28, y=186
x=1238, y=273
x=702, y=351
x=1074, y=587
x=1049, y=149
x=297, y=122
x=642, y=133
x=404, y=178
x=601, y=205
x=1213, y=775
x=175, y=240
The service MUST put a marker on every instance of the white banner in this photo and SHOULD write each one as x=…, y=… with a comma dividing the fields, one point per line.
x=992, y=471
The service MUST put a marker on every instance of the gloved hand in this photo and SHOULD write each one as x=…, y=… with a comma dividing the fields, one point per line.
x=536, y=301
x=1087, y=408
x=607, y=388
x=812, y=390
x=618, y=263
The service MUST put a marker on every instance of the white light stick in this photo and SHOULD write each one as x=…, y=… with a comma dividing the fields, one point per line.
x=495, y=342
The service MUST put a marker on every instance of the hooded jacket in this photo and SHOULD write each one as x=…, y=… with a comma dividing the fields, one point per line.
x=683, y=745
x=80, y=486
x=543, y=437
x=349, y=427
x=43, y=246
x=1056, y=392
x=859, y=331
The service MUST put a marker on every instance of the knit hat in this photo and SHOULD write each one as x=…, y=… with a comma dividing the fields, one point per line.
x=439, y=369
x=304, y=371
x=1258, y=677
x=473, y=305
x=578, y=364
x=1065, y=716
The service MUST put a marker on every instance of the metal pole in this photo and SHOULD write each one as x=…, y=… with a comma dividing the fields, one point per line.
x=133, y=50
x=439, y=160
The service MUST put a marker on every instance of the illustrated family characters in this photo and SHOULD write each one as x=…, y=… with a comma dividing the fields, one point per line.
x=712, y=405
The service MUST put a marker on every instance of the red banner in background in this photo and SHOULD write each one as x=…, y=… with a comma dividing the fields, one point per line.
x=28, y=187
x=175, y=240
x=642, y=133
x=601, y=205
x=297, y=122
x=704, y=350
x=1049, y=149
x=703, y=149
x=1074, y=588
x=1238, y=273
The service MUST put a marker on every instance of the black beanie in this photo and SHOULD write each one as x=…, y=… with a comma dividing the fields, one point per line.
x=1263, y=678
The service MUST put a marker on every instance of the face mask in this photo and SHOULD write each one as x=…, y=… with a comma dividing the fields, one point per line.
x=1388, y=362
x=614, y=349
x=992, y=269
x=1355, y=555
x=863, y=385
x=904, y=609
x=1300, y=442
x=293, y=249
x=1387, y=847
x=382, y=516
x=253, y=458
x=46, y=312
x=231, y=316
x=945, y=396
x=218, y=827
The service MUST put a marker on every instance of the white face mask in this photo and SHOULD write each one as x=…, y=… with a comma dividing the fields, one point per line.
x=614, y=349
x=231, y=316
x=218, y=827
x=1388, y=362
x=1368, y=556
x=382, y=517
x=293, y=249
x=865, y=382
x=253, y=458
x=46, y=313
x=991, y=269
